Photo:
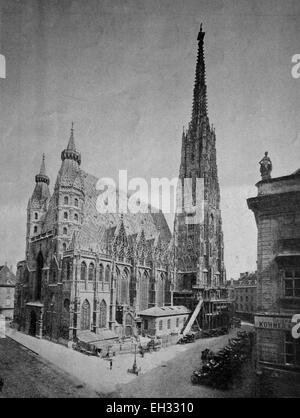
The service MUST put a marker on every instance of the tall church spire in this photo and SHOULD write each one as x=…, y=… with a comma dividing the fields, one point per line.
x=70, y=153
x=199, y=100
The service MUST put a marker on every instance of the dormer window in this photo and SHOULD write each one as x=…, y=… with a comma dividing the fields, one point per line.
x=36, y=215
x=66, y=200
x=65, y=215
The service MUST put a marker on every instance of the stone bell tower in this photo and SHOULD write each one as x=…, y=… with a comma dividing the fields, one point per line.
x=199, y=249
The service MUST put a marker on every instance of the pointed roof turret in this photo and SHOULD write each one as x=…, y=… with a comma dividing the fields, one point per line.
x=42, y=177
x=71, y=143
x=70, y=153
x=41, y=193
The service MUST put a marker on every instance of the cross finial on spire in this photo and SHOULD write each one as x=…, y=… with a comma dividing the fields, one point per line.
x=201, y=34
x=71, y=144
x=42, y=176
x=43, y=168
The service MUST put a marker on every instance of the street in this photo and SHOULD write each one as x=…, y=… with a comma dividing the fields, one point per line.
x=57, y=371
x=173, y=378
x=26, y=375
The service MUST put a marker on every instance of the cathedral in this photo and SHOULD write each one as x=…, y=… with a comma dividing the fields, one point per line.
x=124, y=274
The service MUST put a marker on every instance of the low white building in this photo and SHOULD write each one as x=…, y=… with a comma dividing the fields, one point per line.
x=166, y=320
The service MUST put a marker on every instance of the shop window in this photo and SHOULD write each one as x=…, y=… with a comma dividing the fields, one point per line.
x=292, y=350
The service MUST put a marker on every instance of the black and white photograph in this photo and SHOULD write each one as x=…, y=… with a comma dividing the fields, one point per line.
x=150, y=201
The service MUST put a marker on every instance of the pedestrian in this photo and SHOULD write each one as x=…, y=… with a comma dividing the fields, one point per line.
x=110, y=364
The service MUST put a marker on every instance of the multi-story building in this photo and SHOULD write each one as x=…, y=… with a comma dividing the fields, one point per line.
x=277, y=213
x=244, y=295
x=199, y=258
x=7, y=291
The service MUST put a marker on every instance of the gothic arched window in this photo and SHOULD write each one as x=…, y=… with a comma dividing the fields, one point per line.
x=65, y=231
x=107, y=274
x=101, y=273
x=103, y=314
x=36, y=215
x=66, y=200
x=35, y=229
x=83, y=271
x=167, y=291
x=76, y=202
x=76, y=217
x=124, y=287
x=85, y=315
x=39, y=269
x=144, y=291
x=64, y=246
x=132, y=290
x=152, y=292
x=160, y=290
x=65, y=215
x=91, y=271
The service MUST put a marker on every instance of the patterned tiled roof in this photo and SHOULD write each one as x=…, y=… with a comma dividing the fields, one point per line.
x=92, y=234
x=165, y=311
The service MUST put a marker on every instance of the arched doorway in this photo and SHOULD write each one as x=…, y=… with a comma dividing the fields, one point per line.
x=39, y=269
x=32, y=325
x=85, y=315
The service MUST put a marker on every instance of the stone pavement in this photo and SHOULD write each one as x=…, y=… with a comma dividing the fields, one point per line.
x=95, y=372
x=91, y=370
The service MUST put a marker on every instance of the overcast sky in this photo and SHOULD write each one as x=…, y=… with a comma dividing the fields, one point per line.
x=124, y=72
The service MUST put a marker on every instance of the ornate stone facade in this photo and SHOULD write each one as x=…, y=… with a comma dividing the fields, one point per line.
x=85, y=270
x=200, y=270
